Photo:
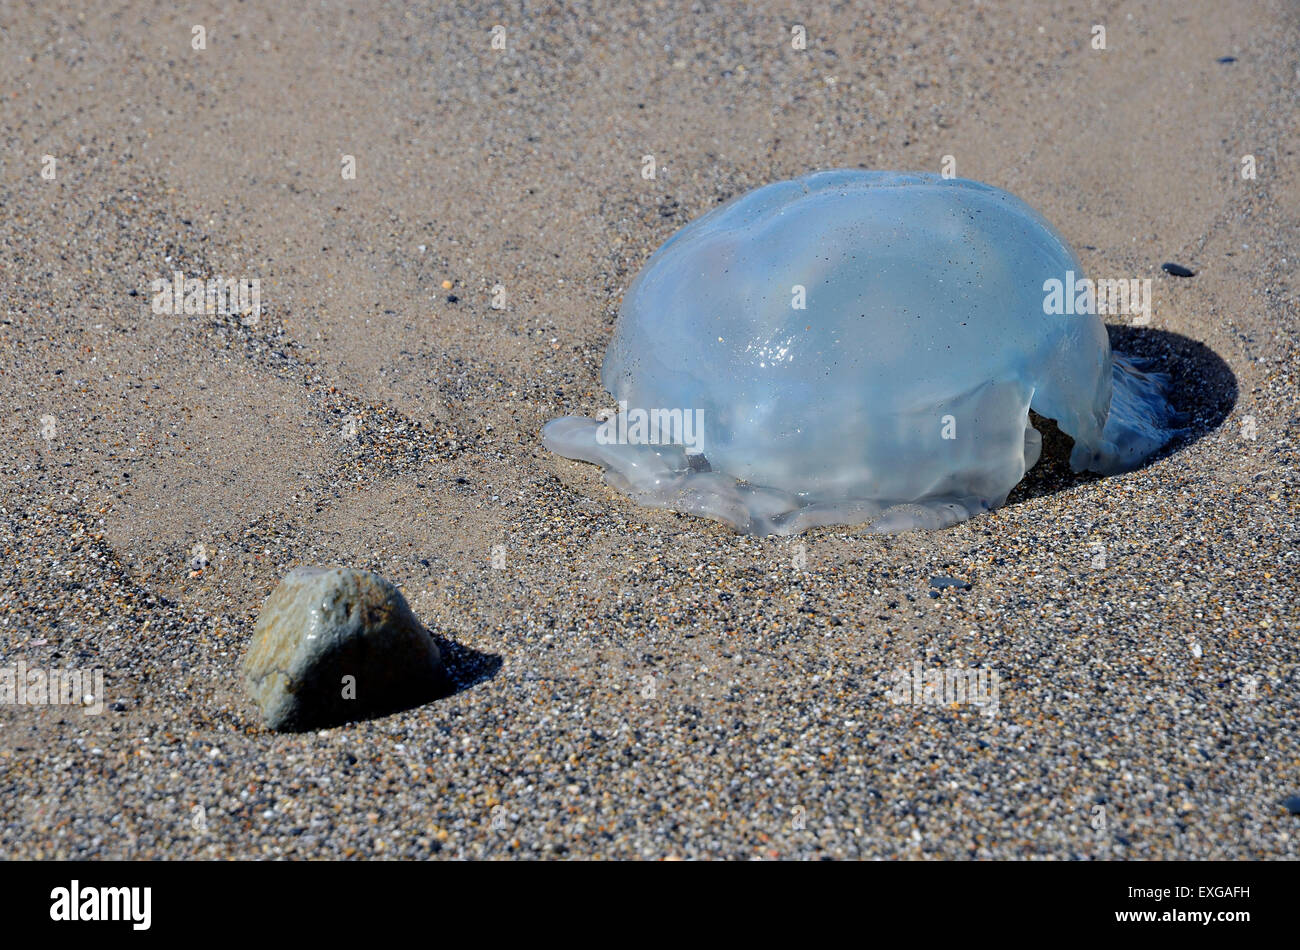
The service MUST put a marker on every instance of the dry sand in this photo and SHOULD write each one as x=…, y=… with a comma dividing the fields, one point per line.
x=634, y=682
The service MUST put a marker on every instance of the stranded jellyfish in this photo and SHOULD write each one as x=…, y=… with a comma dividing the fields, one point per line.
x=859, y=347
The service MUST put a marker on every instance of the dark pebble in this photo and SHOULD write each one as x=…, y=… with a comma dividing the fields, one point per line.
x=1293, y=804
x=452, y=298
x=944, y=580
x=1226, y=59
x=1178, y=270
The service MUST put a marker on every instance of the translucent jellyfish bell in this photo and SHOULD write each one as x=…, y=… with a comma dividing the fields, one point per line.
x=858, y=346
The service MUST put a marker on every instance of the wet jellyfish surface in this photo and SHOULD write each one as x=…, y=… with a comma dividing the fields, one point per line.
x=859, y=347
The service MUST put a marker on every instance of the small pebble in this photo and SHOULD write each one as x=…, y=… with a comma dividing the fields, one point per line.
x=333, y=644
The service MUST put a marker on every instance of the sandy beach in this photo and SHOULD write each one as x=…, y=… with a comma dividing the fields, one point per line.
x=441, y=232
